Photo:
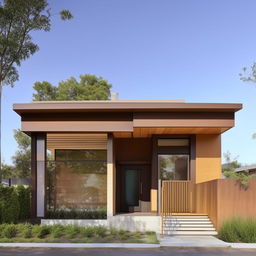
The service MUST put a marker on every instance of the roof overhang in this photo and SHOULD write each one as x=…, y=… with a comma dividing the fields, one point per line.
x=127, y=117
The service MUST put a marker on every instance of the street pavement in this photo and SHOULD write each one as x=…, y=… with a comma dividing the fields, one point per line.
x=127, y=252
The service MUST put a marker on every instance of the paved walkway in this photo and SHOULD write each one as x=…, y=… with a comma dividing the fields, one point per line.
x=192, y=241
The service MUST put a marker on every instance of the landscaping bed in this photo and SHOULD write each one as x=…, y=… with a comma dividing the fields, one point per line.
x=238, y=230
x=28, y=233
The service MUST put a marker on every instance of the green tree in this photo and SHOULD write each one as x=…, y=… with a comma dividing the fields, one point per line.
x=231, y=164
x=89, y=87
x=18, y=19
x=249, y=75
x=8, y=171
x=22, y=157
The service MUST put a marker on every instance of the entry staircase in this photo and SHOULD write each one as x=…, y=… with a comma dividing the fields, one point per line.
x=188, y=225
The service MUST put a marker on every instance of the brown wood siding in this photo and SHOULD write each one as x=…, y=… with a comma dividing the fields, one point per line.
x=235, y=201
x=133, y=150
x=107, y=106
x=76, y=141
x=205, y=200
x=77, y=126
x=183, y=119
x=224, y=199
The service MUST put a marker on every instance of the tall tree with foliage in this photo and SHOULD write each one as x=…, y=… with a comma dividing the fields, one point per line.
x=22, y=157
x=89, y=87
x=18, y=19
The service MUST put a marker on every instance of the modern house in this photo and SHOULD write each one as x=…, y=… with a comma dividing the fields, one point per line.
x=142, y=160
x=248, y=169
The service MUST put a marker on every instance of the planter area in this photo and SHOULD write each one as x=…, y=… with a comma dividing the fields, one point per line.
x=27, y=233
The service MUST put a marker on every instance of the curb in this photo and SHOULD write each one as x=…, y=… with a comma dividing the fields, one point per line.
x=79, y=245
x=126, y=245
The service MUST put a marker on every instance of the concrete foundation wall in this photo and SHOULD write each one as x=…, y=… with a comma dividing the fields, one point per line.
x=129, y=223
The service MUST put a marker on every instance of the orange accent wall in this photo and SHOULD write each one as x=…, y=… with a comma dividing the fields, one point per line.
x=208, y=157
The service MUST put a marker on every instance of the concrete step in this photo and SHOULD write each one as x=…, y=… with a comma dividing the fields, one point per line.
x=191, y=233
x=210, y=225
x=188, y=225
x=187, y=222
x=190, y=229
x=187, y=217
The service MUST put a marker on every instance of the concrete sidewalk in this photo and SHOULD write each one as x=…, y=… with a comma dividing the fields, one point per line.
x=167, y=241
x=192, y=241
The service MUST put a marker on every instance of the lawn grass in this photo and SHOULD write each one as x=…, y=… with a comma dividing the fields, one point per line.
x=238, y=230
x=27, y=233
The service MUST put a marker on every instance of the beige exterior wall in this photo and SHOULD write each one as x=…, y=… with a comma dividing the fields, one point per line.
x=153, y=197
x=208, y=157
x=111, y=177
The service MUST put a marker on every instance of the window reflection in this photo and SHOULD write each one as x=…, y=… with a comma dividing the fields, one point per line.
x=173, y=167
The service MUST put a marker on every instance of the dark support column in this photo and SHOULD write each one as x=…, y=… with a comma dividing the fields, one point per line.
x=38, y=167
x=33, y=175
x=193, y=158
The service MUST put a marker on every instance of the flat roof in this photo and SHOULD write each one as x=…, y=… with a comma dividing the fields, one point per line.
x=124, y=106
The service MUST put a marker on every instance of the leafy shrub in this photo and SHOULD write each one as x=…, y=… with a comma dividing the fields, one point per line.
x=113, y=232
x=9, y=231
x=137, y=235
x=72, y=231
x=9, y=206
x=41, y=231
x=25, y=230
x=14, y=204
x=88, y=231
x=238, y=230
x=24, y=195
x=100, y=231
x=122, y=234
x=57, y=231
x=76, y=214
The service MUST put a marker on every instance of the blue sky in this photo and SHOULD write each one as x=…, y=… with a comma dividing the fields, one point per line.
x=150, y=49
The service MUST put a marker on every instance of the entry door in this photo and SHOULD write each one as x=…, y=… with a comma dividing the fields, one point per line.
x=135, y=188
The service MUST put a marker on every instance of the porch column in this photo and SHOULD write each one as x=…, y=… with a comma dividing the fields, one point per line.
x=38, y=169
x=110, y=177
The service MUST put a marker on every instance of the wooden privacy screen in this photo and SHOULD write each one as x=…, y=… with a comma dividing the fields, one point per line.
x=220, y=199
x=176, y=197
x=224, y=199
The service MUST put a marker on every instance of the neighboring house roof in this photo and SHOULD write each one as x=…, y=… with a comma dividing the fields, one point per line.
x=249, y=168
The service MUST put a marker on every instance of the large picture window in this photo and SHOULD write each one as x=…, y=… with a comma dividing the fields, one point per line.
x=173, y=167
x=173, y=158
x=79, y=179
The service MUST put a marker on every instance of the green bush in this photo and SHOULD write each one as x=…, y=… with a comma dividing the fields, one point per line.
x=41, y=231
x=24, y=197
x=25, y=230
x=76, y=214
x=9, y=205
x=10, y=231
x=100, y=231
x=113, y=232
x=72, y=231
x=14, y=204
x=238, y=230
x=57, y=231
x=88, y=231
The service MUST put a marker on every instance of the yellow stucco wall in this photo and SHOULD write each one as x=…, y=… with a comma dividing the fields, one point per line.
x=208, y=157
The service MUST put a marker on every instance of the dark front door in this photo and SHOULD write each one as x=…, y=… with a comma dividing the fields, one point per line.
x=135, y=188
